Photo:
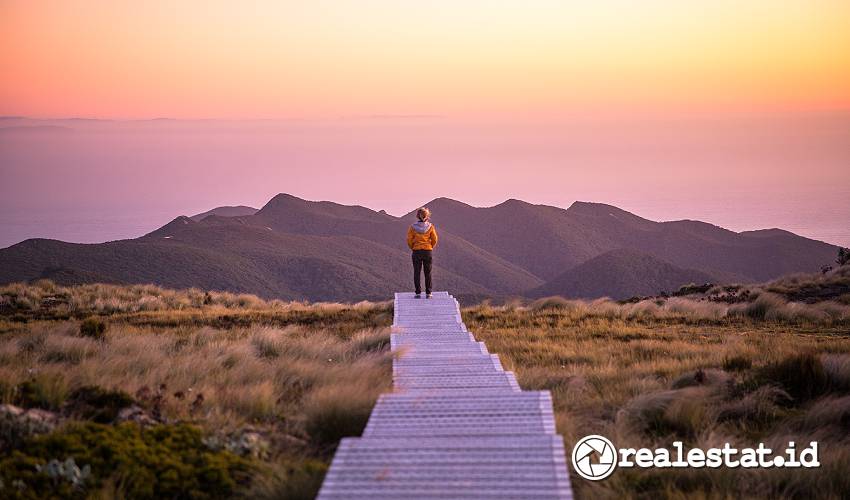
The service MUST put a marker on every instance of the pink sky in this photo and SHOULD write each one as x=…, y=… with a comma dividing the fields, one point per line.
x=737, y=112
x=742, y=173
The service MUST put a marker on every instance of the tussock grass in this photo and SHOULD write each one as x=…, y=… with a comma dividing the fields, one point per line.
x=806, y=299
x=246, y=375
x=763, y=307
x=250, y=375
x=301, y=375
x=648, y=373
x=812, y=287
x=93, y=328
x=803, y=376
x=332, y=412
x=838, y=371
x=152, y=306
x=292, y=480
x=725, y=364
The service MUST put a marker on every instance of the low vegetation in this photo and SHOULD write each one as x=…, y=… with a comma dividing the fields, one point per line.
x=833, y=284
x=742, y=365
x=160, y=461
x=141, y=392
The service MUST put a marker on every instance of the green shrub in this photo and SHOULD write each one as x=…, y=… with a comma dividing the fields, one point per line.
x=97, y=404
x=16, y=425
x=165, y=461
x=802, y=376
x=94, y=328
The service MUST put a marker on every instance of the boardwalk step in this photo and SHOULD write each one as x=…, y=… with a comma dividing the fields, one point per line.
x=446, y=370
x=457, y=425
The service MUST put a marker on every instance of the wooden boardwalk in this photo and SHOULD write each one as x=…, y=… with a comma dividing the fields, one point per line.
x=457, y=425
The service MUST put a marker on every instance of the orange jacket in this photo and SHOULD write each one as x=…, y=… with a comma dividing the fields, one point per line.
x=422, y=236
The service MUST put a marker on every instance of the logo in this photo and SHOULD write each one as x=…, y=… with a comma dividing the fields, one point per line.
x=594, y=457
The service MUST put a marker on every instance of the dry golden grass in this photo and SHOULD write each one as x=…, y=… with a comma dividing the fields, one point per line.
x=155, y=307
x=761, y=305
x=645, y=375
x=301, y=375
x=256, y=375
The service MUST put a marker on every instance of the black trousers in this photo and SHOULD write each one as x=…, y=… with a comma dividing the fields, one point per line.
x=422, y=259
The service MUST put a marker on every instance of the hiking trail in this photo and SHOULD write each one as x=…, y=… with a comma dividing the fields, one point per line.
x=457, y=424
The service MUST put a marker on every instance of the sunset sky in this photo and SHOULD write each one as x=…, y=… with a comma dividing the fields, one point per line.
x=733, y=112
x=282, y=59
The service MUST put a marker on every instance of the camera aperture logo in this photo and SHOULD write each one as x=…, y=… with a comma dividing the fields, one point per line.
x=595, y=457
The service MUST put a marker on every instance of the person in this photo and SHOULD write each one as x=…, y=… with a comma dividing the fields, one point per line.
x=422, y=238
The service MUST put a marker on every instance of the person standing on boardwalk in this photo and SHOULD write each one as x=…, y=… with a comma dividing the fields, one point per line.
x=422, y=238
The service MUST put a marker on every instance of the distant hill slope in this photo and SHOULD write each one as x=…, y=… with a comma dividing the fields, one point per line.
x=547, y=241
x=289, y=214
x=620, y=274
x=236, y=211
x=297, y=249
x=232, y=257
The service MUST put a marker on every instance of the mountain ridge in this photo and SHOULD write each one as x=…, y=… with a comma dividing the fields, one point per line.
x=226, y=211
x=293, y=248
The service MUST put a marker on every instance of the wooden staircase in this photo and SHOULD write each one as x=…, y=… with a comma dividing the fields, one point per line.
x=457, y=425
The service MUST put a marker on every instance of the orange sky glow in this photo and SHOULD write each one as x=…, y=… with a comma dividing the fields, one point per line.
x=472, y=58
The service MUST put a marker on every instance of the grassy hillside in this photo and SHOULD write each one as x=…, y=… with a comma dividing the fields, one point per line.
x=620, y=274
x=163, y=392
x=749, y=366
x=229, y=256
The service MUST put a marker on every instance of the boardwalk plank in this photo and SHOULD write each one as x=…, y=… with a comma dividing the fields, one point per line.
x=458, y=424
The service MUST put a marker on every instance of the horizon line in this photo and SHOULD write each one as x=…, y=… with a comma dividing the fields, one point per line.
x=425, y=116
